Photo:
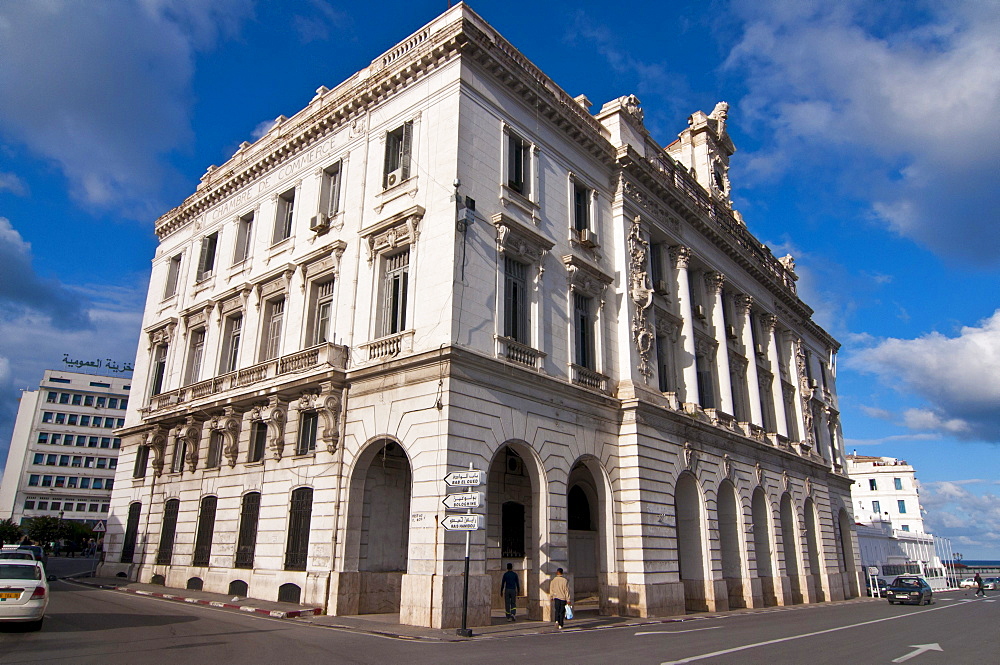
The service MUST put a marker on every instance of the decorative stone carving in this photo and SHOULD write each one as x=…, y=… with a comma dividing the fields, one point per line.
x=680, y=255
x=190, y=433
x=396, y=231
x=759, y=472
x=786, y=482
x=273, y=416
x=769, y=321
x=520, y=241
x=228, y=425
x=809, y=486
x=156, y=439
x=743, y=303
x=584, y=277
x=327, y=406
x=805, y=394
x=727, y=467
x=690, y=456
x=162, y=333
x=715, y=281
x=642, y=295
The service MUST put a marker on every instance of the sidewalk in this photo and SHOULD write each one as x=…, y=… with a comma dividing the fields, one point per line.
x=387, y=625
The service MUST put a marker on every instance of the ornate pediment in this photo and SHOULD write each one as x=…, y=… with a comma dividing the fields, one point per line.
x=584, y=277
x=520, y=241
x=162, y=332
x=396, y=231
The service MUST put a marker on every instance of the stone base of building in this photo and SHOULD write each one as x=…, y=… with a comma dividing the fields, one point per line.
x=435, y=601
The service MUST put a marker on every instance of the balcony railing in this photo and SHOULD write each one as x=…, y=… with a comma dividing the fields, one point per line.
x=589, y=378
x=316, y=357
x=388, y=347
x=518, y=353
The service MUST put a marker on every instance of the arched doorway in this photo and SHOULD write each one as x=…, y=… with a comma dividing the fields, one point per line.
x=729, y=544
x=380, y=495
x=816, y=572
x=583, y=522
x=847, y=563
x=513, y=526
x=789, y=546
x=690, y=542
x=761, y=511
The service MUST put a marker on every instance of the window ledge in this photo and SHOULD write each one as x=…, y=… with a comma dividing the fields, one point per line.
x=310, y=455
x=259, y=462
x=512, y=197
x=408, y=186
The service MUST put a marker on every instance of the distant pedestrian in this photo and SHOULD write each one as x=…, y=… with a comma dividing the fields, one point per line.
x=980, y=591
x=559, y=590
x=510, y=587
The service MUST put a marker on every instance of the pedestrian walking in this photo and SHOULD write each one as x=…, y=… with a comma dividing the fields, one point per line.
x=559, y=590
x=980, y=591
x=510, y=587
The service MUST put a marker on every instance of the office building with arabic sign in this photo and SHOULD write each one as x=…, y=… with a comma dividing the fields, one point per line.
x=64, y=449
x=444, y=261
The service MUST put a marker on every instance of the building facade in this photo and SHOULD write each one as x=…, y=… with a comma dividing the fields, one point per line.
x=446, y=261
x=64, y=450
x=886, y=490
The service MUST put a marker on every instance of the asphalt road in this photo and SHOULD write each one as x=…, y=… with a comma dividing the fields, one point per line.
x=88, y=625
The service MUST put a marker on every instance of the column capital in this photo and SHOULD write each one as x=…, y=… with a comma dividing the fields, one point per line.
x=743, y=303
x=769, y=321
x=680, y=255
x=715, y=281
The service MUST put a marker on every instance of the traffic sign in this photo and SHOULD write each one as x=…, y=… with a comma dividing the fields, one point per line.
x=462, y=522
x=470, y=478
x=464, y=500
x=99, y=527
x=872, y=570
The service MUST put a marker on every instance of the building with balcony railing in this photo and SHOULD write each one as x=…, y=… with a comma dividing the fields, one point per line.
x=446, y=261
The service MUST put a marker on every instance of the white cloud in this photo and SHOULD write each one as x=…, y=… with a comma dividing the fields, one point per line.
x=913, y=104
x=971, y=519
x=958, y=376
x=11, y=183
x=104, y=89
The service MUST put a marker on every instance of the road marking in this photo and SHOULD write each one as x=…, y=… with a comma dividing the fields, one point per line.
x=797, y=637
x=920, y=648
x=676, y=632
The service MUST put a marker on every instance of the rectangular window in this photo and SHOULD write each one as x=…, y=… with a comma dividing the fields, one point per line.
x=244, y=233
x=581, y=208
x=284, y=217
x=173, y=276
x=56, y=505
x=105, y=442
x=906, y=527
x=196, y=352
x=72, y=481
x=98, y=484
x=322, y=312
x=876, y=507
x=102, y=462
x=33, y=480
x=330, y=192
x=898, y=483
x=61, y=481
x=39, y=458
x=81, y=507
x=29, y=505
x=141, y=461
x=60, y=418
x=902, y=506
x=394, y=292
x=88, y=400
x=56, y=439
x=43, y=505
x=397, y=155
x=584, y=331
x=64, y=460
x=88, y=462
x=206, y=531
x=656, y=267
x=64, y=398
x=214, y=459
x=872, y=485
x=299, y=518
x=275, y=312
x=159, y=369
x=232, y=333
x=706, y=381
x=258, y=439
x=307, y=432
x=123, y=404
x=101, y=402
x=131, y=531
x=518, y=164
x=47, y=416
x=247, y=540
x=51, y=460
x=664, y=371
x=169, y=529
x=77, y=461
x=180, y=450
x=52, y=397
x=113, y=463
x=206, y=260
x=92, y=441
x=116, y=443
x=72, y=419
x=112, y=402
x=85, y=421
x=77, y=400
x=92, y=507
x=515, y=322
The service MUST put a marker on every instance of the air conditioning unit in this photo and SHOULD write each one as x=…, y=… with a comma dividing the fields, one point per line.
x=587, y=238
x=319, y=222
x=394, y=178
x=731, y=332
x=699, y=311
x=660, y=286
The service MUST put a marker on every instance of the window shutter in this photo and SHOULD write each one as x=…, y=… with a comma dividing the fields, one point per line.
x=405, y=149
x=203, y=258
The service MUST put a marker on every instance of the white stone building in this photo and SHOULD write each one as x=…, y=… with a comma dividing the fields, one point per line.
x=447, y=260
x=64, y=449
x=885, y=489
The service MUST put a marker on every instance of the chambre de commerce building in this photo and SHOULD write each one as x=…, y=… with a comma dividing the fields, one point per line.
x=448, y=261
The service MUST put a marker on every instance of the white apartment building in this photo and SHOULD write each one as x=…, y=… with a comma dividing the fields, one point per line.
x=885, y=489
x=447, y=261
x=64, y=449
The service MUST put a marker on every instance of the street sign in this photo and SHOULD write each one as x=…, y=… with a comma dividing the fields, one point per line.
x=464, y=500
x=872, y=570
x=470, y=478
x=99, y=527
x=462, y=522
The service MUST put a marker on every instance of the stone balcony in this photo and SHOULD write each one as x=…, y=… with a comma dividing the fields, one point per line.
x=270, y=373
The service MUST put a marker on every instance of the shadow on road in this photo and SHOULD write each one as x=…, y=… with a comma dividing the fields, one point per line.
x=68, y=622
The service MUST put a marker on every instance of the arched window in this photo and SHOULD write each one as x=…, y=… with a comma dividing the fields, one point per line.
x=299, y=518
x=512, y=529
x=578, y=509
x=169, y=529
x=206, y=531
x=247, y=540
x=131, y=532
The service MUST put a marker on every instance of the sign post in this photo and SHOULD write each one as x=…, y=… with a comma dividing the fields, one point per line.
x=468, y=522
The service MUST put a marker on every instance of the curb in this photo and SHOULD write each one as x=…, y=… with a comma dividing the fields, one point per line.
x=274, y=614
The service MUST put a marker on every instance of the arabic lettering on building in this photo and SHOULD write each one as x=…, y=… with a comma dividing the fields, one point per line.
x=107, y=363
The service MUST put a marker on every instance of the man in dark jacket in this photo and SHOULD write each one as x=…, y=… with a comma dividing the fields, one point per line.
x=979, y=586
x=510, y=586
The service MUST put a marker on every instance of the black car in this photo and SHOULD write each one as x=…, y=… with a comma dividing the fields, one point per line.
x=909, y=589
x=880, y=584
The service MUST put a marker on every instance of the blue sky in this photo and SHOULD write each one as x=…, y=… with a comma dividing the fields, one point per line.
x=868, y=139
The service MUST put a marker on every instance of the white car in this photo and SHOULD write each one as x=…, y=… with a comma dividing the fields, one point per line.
x=967, y=583
x=24, y=592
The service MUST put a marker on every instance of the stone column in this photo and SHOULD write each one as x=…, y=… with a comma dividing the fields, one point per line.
x=680, y=256
x=777, y=392
x=715, y=281
x=798, y=379
x=743, y=305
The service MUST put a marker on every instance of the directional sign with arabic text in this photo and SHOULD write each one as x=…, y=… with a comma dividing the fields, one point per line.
x=464, y=500
x=462, y=522
x=470, y=478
